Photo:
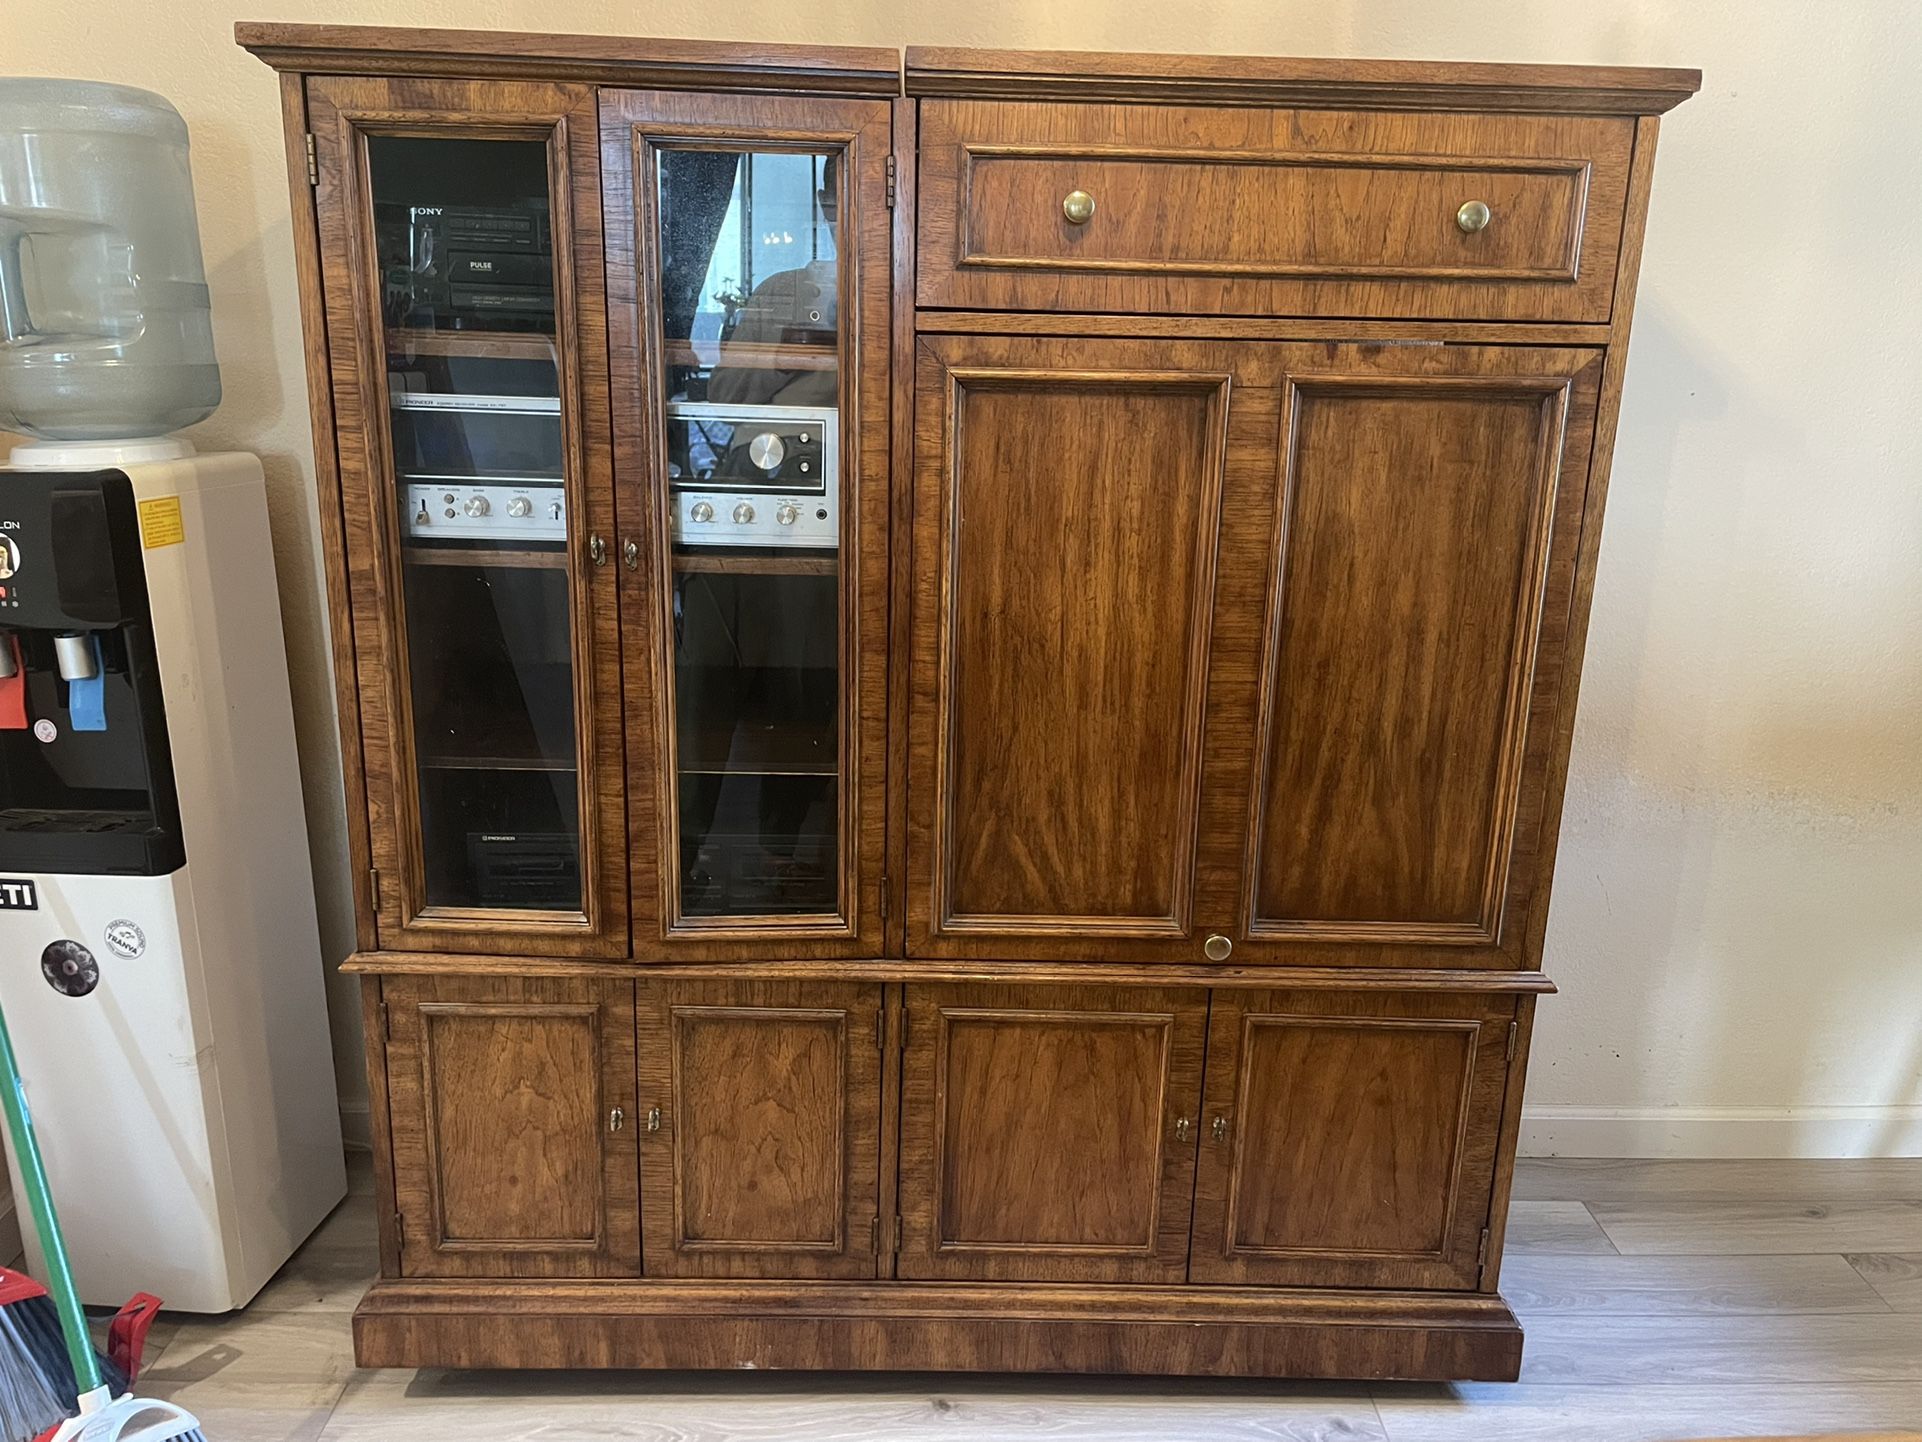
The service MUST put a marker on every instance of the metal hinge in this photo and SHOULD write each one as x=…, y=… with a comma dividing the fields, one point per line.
x=313, y=161
x=1514, y=1031
x=891, y=182
x=1481, y=1255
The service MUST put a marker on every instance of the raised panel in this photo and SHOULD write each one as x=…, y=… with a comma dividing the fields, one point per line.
x=1349, y=1139
x=502, y=1093
x=1424, y=543
x=1072, y=519
x=1040, y=1135
x=764, y=1159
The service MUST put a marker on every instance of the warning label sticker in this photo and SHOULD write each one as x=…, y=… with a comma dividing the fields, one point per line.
x=160, y=523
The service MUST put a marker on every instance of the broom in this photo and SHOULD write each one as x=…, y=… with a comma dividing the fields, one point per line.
x=33, y=1398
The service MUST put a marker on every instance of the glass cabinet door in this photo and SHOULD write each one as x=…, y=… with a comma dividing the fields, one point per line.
x=749, y=298
x=473, y=487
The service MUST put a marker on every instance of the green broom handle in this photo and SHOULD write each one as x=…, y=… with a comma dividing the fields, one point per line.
x=66, y=1301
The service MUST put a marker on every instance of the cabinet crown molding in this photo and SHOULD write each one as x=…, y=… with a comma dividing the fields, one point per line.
x=1307, y=83
x=609, y=59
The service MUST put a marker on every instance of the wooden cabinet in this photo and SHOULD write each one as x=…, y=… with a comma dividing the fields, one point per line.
x=508, y=1107
x=762, y=1108
x=1349, y=1138
x=955, y=684
x=1047, y=1132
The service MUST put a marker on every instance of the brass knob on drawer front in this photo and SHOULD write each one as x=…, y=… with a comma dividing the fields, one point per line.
x=1078, y=207
x=1217, y=947
x=1473, y=216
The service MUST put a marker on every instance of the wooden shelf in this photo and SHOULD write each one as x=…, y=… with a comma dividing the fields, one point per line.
x=763, y=565
x=744, y=356
x=417, y=555
x=485, y=344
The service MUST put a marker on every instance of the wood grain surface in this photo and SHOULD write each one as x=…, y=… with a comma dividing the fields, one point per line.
x=1356, y=211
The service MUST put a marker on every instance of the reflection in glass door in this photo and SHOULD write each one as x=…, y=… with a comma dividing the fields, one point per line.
x=751, y=342
x=467, y=294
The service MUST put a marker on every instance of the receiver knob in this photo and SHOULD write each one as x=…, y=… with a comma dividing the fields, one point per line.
x=477, y=506
x=766, y=451
x=743, y=514
x=788, y=514
x=520, y=508
x=702, y=512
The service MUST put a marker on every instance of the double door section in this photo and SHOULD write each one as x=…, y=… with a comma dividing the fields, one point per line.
x=571, y=1127
x=610, y=389
x=1238, y=649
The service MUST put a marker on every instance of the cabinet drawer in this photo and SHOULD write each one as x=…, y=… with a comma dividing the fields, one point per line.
x=1270, y=212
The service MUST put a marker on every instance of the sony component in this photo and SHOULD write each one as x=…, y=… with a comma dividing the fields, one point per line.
x=747, y=475
x=478, y=267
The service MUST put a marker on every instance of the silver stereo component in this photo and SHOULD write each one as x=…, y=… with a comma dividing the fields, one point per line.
x=462, y=508
x=743, y=475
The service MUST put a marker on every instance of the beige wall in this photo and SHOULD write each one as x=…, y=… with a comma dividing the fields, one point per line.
x=1738, y=917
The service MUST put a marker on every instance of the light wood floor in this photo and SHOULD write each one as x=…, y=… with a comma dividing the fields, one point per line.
x=1663, y=1301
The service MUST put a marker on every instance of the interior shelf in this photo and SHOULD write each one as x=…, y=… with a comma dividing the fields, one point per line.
x=550, y=560
x=766, y=564
x=489, y=344
x=708, y=354
x=463, y=762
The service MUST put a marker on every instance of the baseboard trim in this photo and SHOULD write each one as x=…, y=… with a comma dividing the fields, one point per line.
x=356, y=1126
x=1767, y=1132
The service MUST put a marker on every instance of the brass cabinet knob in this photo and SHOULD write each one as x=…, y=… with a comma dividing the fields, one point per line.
x=1220, y=1129
x=1473, y=216
x=1217, y=947
x=616, y=1119
x=1078, y=207
x=1181, y=1129
x=597, y=550
x=631, y=554
x=653, y=1119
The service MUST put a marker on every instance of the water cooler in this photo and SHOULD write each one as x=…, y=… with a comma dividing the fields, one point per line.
x=159, y=955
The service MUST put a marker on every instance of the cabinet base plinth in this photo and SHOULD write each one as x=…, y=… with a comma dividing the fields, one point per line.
x=946, y=1327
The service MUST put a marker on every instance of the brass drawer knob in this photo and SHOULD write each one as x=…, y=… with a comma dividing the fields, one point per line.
x=1217, y=947
x=1078, y=206
x=1473, y=216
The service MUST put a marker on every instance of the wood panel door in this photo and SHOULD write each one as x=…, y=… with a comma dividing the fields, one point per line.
x=1348, y=1139
x=1047, y=1132
x=460, y=250
x=1419, y=582
x=512, y=1101
x=748, y=281
x=762, y=1115
x=1090, y=523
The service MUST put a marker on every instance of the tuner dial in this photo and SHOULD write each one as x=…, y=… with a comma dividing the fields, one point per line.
x=701, y=512
x=477, y=506
x=788, y=515
x=554, y=511
x=743, y=514
x=766, y=451
x=520, y=508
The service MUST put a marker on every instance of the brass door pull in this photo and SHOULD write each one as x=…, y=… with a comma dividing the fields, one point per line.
x=631, y=554
x=1181, y=1129
x=1220, y=1129
x=653, y=1119
x=616, y=1119
x=597, y=550
x=1078, y=207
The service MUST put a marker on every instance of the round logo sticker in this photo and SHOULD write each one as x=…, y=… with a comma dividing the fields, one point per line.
x=45, y=730
x=125, y=939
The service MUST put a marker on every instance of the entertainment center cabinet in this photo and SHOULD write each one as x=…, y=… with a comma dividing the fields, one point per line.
x=954, y=682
